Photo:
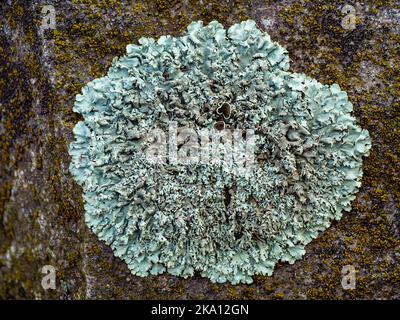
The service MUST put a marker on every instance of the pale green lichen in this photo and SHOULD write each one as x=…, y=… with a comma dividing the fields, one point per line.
x=182, y=219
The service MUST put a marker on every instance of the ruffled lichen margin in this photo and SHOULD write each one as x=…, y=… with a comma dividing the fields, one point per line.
x=310, y=156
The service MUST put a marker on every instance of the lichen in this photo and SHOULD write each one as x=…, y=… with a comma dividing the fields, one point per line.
x=174, y=218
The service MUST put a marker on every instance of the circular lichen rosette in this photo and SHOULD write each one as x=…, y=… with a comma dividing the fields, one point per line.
x=183, y=217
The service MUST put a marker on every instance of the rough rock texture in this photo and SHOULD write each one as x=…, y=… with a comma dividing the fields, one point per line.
x=41, y=210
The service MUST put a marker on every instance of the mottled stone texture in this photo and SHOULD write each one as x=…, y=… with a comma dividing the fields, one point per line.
x=41, y=211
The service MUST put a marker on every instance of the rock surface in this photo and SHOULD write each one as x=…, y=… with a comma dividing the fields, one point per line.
x=41, y=210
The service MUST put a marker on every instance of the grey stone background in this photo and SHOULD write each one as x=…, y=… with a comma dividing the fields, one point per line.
x=41, y=209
